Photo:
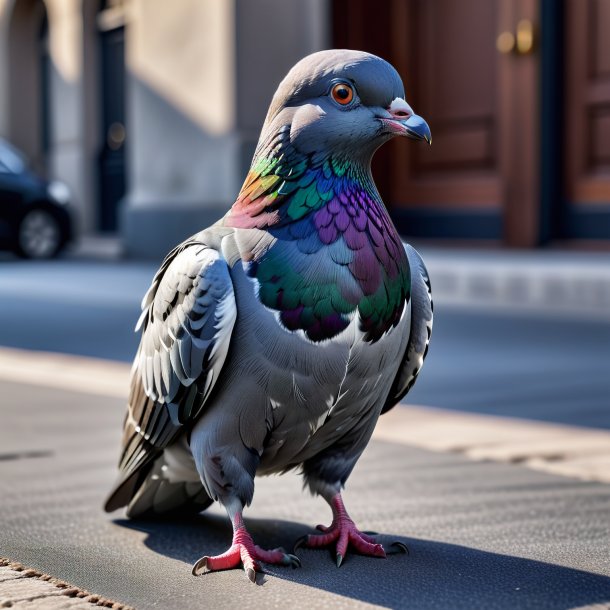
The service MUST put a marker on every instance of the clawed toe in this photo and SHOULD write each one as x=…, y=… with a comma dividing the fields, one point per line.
x=200, y=566
x=401, y=547
x=291, y=560
x=243, y=552
x=299, y=543
x=248, y=556
x=344, y=534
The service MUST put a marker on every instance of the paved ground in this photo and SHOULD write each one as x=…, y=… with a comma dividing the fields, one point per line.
x=481, y=535
x=81, y=307
x=545, y=281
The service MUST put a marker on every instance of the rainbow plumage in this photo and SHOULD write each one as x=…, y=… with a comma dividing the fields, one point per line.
x=336, y=249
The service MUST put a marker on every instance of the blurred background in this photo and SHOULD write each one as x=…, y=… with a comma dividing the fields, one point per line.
x=137, y=120
x=149, y=111
x=128, y=125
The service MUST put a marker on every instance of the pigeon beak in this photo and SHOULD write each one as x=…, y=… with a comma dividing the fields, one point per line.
x=417, y=129
x=402, y=121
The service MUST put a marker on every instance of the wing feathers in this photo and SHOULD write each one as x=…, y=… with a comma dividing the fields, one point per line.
x=420, y=331
x=187, y=320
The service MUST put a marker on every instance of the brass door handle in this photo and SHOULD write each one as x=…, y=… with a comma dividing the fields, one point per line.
x=526, y=37
x=522, y=42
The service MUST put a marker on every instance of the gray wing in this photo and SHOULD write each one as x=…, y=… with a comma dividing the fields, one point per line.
x=187, y=321
x=420, y=332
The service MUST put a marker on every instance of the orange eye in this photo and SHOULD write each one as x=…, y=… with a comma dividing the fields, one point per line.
x=342, y=94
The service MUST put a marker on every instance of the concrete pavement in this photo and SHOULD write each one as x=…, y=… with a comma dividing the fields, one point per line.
x=480, y=534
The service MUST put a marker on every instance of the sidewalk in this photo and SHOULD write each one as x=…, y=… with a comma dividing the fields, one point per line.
x=480, y=534
x=556, y=282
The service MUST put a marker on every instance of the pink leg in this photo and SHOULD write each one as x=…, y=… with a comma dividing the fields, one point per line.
x=344, y=532
x=243, y=551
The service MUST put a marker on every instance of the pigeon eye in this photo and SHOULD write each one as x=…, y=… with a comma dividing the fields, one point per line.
x=342, y=94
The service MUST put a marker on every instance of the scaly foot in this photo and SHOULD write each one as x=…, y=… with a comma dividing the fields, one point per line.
x=344, y=532
x=243, y=551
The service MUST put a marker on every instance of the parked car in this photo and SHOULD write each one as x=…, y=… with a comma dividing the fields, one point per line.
x=35, y=216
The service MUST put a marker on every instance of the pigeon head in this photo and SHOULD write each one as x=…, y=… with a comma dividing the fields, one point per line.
x=326, y=119
x=344, y=103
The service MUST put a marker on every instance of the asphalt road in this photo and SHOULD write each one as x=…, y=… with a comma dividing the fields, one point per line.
x=545, y=368
x=481, y=535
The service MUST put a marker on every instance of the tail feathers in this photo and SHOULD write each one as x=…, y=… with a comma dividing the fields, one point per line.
x=158, y=496
x=126, y=488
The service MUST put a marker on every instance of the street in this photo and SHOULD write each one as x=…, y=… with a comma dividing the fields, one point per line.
x=480, y=534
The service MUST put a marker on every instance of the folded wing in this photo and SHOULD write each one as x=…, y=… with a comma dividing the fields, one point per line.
x=420, y=331
x=187, y=320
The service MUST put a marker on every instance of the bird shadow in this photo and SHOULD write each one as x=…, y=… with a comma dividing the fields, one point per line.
x=433, y=575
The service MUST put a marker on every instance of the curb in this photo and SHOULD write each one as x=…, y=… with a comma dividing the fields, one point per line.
x=546, y=282
x=570, y=451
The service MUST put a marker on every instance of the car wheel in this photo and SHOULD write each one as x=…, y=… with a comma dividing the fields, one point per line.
x=39, y=235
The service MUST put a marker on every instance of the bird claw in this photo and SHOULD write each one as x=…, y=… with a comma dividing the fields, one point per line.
x=299, y=542
x=291, y=560
x=200, y=566
x=244, y=552
x=401, y=546
x=343, y=534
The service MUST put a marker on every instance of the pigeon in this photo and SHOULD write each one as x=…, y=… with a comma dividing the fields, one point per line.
x=274, y=339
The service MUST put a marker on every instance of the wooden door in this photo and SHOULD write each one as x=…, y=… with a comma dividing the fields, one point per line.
x=480, y=177
x=587, y=120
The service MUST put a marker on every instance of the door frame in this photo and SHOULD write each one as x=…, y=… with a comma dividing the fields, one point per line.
x=585, y=210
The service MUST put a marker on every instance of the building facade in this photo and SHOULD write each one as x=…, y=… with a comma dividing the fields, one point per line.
x=150, y=110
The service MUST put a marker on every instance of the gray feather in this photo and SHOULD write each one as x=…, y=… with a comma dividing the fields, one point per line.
x=221, y=389
x=420, y=331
